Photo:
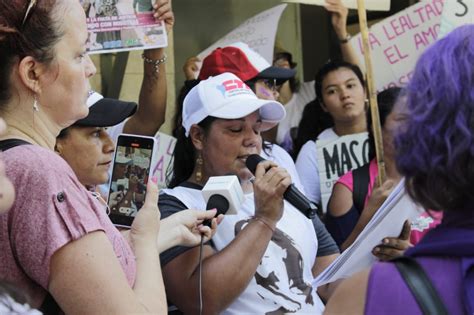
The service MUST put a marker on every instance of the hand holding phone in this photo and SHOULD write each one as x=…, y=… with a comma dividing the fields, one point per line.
x=132, y=166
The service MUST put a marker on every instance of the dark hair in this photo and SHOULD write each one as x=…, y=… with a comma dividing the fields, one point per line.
x=293, y=81
x=36, y=37
x=184, y=155
x=314, y=120
x=178, y=117
x=435, y=144
x=386, y=101
x=329, y=67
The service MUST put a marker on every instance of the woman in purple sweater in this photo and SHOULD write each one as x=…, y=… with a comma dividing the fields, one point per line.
x=435, y=147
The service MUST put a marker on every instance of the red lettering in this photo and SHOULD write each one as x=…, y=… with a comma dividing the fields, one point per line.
x=430, y=12
x=170, y=149
x=230, y=85
x=389, y=37
x=372, y=42
x=393, y=54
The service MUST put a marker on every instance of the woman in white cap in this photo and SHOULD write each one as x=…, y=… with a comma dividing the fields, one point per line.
x=262, y=259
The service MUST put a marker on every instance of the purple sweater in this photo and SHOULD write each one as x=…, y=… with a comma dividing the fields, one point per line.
x=387, y=292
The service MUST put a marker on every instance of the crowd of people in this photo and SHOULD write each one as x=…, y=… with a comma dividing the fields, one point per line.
x=60, y=252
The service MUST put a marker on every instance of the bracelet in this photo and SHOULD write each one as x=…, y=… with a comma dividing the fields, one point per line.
x=155, y=62
x=346, y=39
x=264, y=222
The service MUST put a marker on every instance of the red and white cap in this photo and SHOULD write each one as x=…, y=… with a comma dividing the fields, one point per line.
x=227, y=96
x=245, y=63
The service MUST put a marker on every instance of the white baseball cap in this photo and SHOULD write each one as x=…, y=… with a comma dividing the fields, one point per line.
x=226, y=96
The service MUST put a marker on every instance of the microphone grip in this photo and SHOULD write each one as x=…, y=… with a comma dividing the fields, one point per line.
x=300, y=202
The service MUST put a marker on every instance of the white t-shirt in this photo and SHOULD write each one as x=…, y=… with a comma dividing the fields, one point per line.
x=278, y=155
x=294, y=109
x=307, y=166
x=282, y=281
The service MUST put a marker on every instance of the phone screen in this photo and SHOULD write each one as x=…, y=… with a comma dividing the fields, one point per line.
x=131, y=169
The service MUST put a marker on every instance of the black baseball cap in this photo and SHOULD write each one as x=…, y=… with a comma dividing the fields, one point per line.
x=106, y=112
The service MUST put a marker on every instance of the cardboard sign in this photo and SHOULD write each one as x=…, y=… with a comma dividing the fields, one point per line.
x=337, y=157
x=163, y=157
x=398, y=41
x=456, y=13
x=371, y=5
x=122, y=26
x=258, y=32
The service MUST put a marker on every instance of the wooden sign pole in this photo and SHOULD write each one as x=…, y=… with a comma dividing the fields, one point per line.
x=374, y=109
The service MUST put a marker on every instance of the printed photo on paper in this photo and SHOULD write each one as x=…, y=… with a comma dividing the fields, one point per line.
x=122, y=25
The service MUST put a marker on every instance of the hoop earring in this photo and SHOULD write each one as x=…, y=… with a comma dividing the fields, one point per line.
x=199, y=163
x=35, y=105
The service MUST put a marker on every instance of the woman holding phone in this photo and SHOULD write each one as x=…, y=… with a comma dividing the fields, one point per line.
x=56, y=243
x=88, y=149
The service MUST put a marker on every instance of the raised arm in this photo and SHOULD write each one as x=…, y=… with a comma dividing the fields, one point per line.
x=339, y=22
x=227, y=273
x=152, y=100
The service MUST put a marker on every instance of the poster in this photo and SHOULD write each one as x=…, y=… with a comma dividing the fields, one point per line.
x=163, y=157
x=258, y=32
x=370, y=5
x=456, y=13
x=337, y=157
x=398, y=41
x=122, y=25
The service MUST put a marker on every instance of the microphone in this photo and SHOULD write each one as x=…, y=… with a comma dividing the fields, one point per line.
x=218, y=202
x=292, y=194
x=223, y=193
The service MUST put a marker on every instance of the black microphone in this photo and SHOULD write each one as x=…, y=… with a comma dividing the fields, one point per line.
x=218, y=202
x=292, y=194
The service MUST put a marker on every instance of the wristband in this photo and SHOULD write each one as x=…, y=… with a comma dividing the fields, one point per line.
x=346, y=39
x=264, y=222
x=155, y=62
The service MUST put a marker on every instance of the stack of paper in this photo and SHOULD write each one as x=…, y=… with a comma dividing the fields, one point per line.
x=386, y=222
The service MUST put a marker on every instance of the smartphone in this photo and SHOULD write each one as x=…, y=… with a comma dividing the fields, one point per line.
x=132, y=165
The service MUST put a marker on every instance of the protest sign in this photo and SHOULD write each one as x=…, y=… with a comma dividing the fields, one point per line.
x=398, y=41
x=163, y=157
x=123, y=25
x=258, y=32
x=337, y=157
x=456, y=13
x=371, y=5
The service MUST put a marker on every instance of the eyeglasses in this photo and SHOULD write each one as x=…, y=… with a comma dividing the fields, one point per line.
x=270, y=84
x=28, y=11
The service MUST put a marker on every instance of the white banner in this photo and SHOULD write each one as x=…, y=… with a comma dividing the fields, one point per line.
x=163, y=157
x=456, y=13
x=398, y=41
x=122, y=25
x=371, y=5
x=337, y=157
x=258, y=32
